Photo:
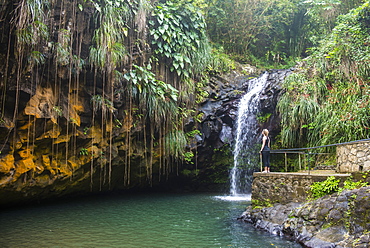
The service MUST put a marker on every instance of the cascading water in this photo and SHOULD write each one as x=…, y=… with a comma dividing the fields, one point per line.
x=245, y=153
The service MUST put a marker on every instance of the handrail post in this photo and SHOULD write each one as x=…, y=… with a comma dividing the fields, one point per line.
x=286, y=163
x=309, y=164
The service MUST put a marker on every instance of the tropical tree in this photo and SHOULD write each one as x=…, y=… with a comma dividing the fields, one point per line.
x=329, y=103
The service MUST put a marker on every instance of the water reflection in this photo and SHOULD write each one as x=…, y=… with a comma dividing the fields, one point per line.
x=159, y=220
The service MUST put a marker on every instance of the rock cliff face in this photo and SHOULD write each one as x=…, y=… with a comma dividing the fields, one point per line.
x=71, y=125
x=220, y=109
x=338, y=220
x=214, y=145
x=47, y=155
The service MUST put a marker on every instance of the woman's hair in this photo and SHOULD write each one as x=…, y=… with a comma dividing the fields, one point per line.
x=265, y=132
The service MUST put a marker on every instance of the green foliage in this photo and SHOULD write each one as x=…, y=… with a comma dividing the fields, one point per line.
x=108, y=50
x=30, y=24
x=263, y=118
x=336, y=98
x=63, y=48
x=219, y=165
x=298, y=108
x=145, y=81
x=329, y=186
x=220, y=62
x=190, y=173
x=36, y=58
x=261, y=204
x=192, y=134
x=33, y=33
x=252, y=29
x=349, y=184
x=58, y=110
x=188, y=156
x=175, y=143
x=84, y=152
x=178, y=35
x=271, y=33
x=155, y=96
x=86, y=130
x=101, y=103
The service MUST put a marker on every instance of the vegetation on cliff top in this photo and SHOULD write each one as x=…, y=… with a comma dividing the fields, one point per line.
x=327, y=100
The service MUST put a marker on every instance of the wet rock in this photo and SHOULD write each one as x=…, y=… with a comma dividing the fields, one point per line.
x=220, y=109
x=338, y=220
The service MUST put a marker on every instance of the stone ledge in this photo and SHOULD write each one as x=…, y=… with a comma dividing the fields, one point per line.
x=312, y=173
x=283, y=188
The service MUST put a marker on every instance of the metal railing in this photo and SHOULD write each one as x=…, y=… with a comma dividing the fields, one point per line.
x=306, y=151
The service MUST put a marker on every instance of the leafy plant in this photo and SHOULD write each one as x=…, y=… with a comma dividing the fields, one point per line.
x=329, y=186
x=175, y=143
x=62, y=47
x=220, y=62
x=192, y=134
x=155, y=96
x=188, y=156
x=108, y=50
x=330, y=99
x=84, y=152
x=144, y=80
x=261, y=204
x=118, y=123
x=263, y=118
x=349, y=184
x=58, y=110
x=178, y=34
x=101, y=103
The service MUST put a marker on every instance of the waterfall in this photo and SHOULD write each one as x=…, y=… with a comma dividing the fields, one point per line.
x=246, y=156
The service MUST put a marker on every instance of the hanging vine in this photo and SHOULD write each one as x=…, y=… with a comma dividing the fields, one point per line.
x=104, y=84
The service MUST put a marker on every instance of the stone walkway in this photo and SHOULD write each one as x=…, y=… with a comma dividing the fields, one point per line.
x=312, y=172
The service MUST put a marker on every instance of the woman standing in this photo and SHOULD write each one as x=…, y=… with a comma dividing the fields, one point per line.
x=265, y=150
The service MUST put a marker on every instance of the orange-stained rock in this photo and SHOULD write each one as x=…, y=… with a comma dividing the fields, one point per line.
x=23, y=137
x=94, y=151
x=97, y=136
x=7, y=164
x=62, y=139
x=43, y=180
x=23, y=166
x=73, y=163
x=26, y=126
x=127, y=123
x=41, y=104
x=47, y=164
x=53, y=131
x=75, y=107
x=64, y=169
x=77, y=103
x=25, y=153
x=109, y=126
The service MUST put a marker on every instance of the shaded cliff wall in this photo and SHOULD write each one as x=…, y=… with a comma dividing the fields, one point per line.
x=215, y=145
x=61, y=128
x=69, y=127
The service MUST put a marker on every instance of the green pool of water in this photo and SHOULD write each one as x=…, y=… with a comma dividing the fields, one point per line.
x=150, y=220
